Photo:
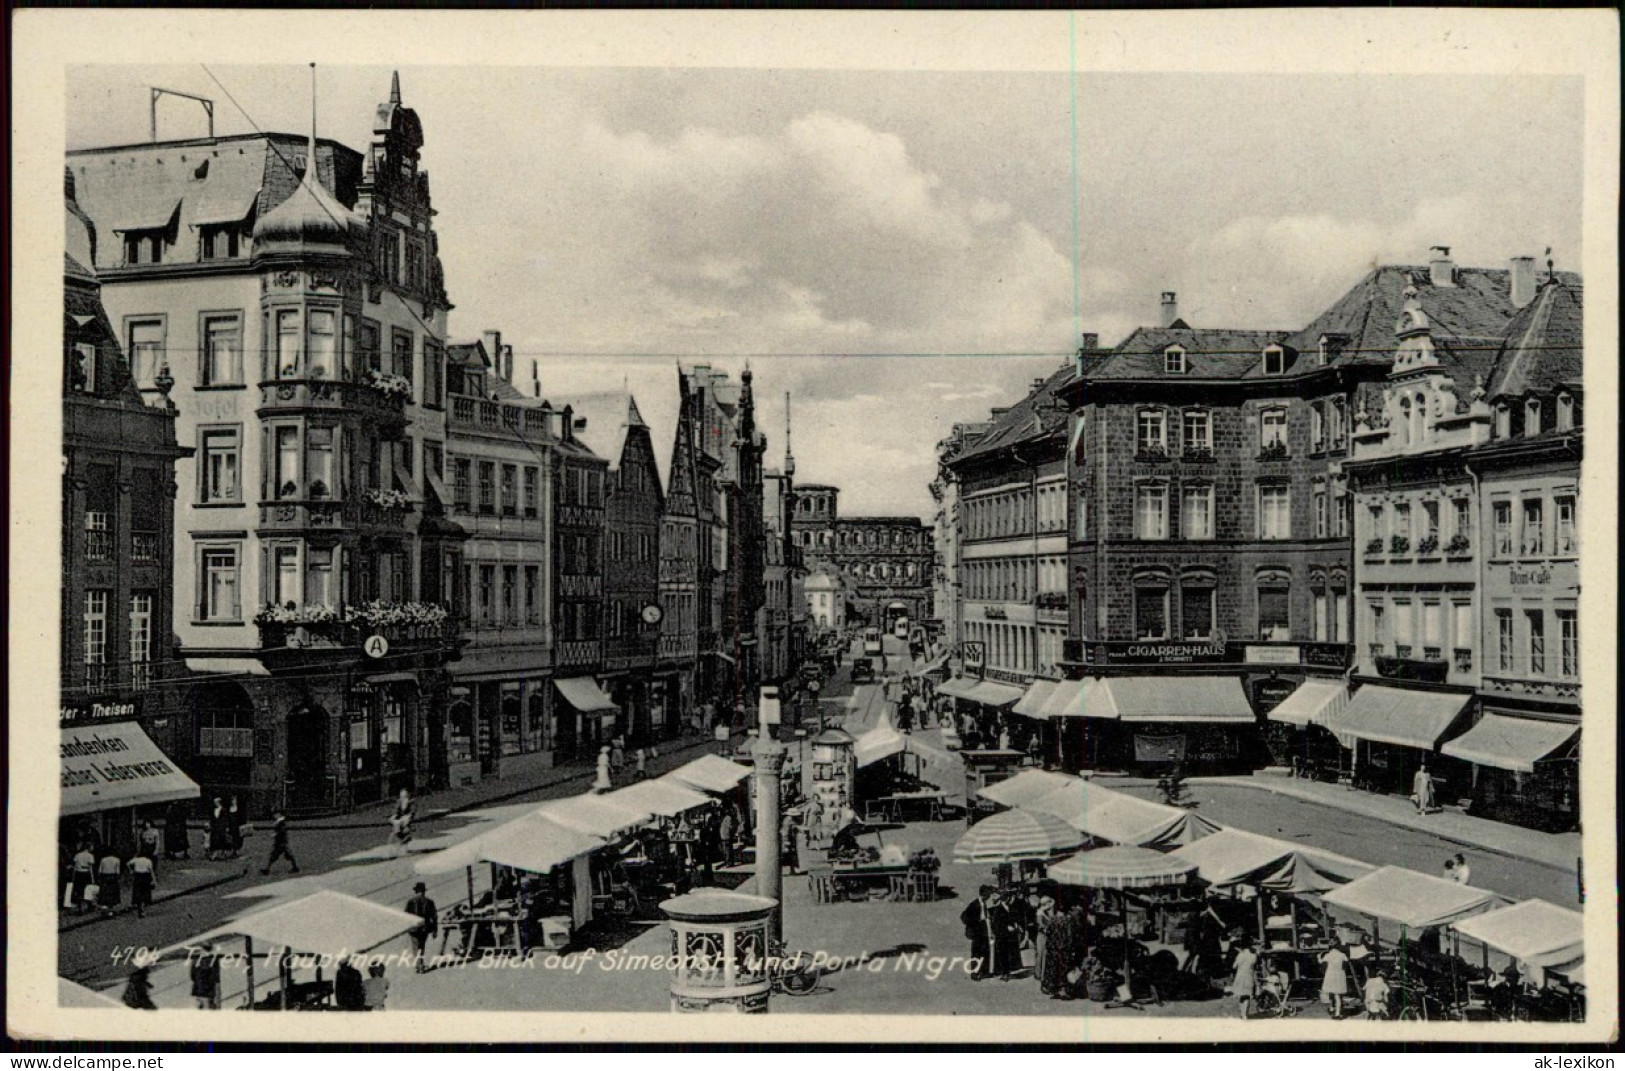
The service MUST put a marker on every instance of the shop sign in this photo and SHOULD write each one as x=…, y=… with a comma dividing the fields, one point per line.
x=1007, y=677
x=1275, y=656
x=1158, y=653
x=1538, y=576
x=100, y=711
x=974, y=655
x=1269, y=694
x=994, y=613
x=1328, y=655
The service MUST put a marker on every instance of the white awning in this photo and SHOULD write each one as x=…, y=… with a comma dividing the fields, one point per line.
x=1400, y=716
x=1536, y=932
x=1032, y=703
x=1088, y=698
x=659, y=796
x=1181, y=699
x=994, y=694
x=1412, y=899
x=584, y=694
x=323, y=923
x=243, y=667
x=597, y=816
x=108, y=766
x=1029, y=785
x=877, y=744
x=1509, y=743
x=712, y=773
x=534, y=843
x=958, y=687
x=1313, y=703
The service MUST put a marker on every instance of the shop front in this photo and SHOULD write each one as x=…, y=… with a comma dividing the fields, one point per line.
x=112, y=777
x=586, y=719
x=1394, y=732
x=1161, y=723
x=1524, y=769
x=1297, y=732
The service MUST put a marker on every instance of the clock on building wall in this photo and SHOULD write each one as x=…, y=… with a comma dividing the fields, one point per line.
x=652, y=614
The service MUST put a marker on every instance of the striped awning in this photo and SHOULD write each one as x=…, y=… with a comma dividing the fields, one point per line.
x=1123, y=867
x=1509, y=743
x=1313, y=703
x=1016, y=836
x=1031, y=704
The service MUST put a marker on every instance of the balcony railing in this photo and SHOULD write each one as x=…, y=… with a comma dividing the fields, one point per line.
x=226, y=743
x=98, y=678
x=1401, y=667
x=353, y=632
x=140, y=676
x=296, y=513
x=387, y=407
x=144, y=546
x=98, y=545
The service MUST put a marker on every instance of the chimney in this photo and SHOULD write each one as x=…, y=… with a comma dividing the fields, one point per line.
x=1523, y=280
x=506, y=364
x=493, y=350
x=1170, y=308
x=1090, y=341
x=536, y=377
x=1038, y=385
x=1440, y=268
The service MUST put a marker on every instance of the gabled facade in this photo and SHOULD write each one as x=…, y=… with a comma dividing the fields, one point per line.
x=885, y=562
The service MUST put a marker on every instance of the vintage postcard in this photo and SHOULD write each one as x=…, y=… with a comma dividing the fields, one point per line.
x=891, y=527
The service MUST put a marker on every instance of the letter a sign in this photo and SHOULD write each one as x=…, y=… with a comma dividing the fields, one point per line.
x=376, y=646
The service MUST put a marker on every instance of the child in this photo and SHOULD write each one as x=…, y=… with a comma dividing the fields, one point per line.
x=1376, y=996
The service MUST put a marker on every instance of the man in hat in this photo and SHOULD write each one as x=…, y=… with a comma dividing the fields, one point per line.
x=424, y=908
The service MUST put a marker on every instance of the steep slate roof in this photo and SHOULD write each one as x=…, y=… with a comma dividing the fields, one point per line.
x=1468, y=362
x=1210, y=353
x=609, y=415
x=1039, y=414
x=1543, y=348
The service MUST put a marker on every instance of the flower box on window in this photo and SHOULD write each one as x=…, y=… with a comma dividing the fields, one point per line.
x=1428, y=545
x=387, y=499
x=1459, y=544
x=1273, y=451
x=1373, y=546
x=389, y=384
x=1198, y=453
x=1151, y=452
x=1399, y=545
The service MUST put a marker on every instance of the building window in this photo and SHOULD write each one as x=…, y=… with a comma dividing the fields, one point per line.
x=461, y=480
x=487, y=594
x=1462, y=509
x=95, y=627
x=1274, y=610
x=1564, y=533
x=1196, y=612
x=1502, y=519
x=531, y=492
x=1272, y=432
x=1274, y=361
x=1565, y=412
x=1320, y=515
x=1534, y=531
x=1503, y=421
x=289, y=344
x=285, y=462
x=98, y=535
x=1198, y=431
x=434, y=373
x=1173, y=360
x=1568, y=638
x=144, y=247
x=1151, y=512
x=510, y=490
x=1379, y=628
x=222, y=360
x=220, y=242
x=1404, y=623
x=488, y=489
x=510, y=594
x=1151, y=431
x=1196, y=513
x=1430, y=526
x=1338, y=627
x=141, y=603
x=414, y=266
x=1275, y=513
x=369, y=346
x=319, y=587
x=1337, y=424
x=219, y=585
x=1463, y=627
x=1150, y=613
x=1340, y=511
x=144, y=343
x=401, y=354
x=533, y=602
x=1503, y=640
x=1536, y=621
x=319, y=463
x=285, y=576
x=1317, y=427
x=1432, y=631
x=1322, y=613
x=1531, y=417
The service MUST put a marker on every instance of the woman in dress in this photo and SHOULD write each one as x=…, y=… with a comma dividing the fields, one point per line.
x=1334, y=984
x=401, y=822
x=1049, y=942
x=107, y=878
x=141, y=882
x=219, y=837
x=1244, y=982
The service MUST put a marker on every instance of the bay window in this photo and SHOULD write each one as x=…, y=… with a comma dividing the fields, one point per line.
x=323, y=344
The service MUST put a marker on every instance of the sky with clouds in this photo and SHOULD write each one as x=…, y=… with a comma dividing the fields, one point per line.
x=901, y=250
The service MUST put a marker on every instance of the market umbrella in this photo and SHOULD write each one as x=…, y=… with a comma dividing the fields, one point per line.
x=1016, y=836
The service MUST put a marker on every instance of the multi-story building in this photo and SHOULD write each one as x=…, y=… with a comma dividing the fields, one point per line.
x=493, y=474
x=826, y=592
x=776, y=627
x=118, y=486
x=945, y=529
x=291, y=290
x=611, y=425
x=587, y=718
x=685, y=560
x=886, y=561
x=1011, y=548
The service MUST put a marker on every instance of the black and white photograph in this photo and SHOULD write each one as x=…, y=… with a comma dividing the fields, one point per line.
x=1083, y=546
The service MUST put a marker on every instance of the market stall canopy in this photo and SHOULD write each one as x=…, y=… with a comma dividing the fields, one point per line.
x=533, y=842
x=1169, y=699
x=596, y=816
x=1013, y=836
x=1122, y=867
x=1415, y=900
x=1400, y=716
x=712, y=773
x=583, y=694
x=117, y=765
x=1235, y=857
x=667, y=799
x=1088, y=698
x=1029, y=785
x=73, y=995
x=1312, y=703
x=324, y=923
x=1536, y=932
x=1031, y=704
x=878, y=744
x=1062, y=700
x=994, y=694
x=1509, y=743
x=958, y=687
x=1105, y=814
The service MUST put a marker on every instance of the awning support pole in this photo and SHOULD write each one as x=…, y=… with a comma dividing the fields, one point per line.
x=248, y=949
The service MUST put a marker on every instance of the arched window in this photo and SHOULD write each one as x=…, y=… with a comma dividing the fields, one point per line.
x=1151, y=609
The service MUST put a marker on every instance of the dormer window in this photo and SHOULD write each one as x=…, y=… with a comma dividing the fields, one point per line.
x=1274, y=361
x=1324, y=352
x=1173, y=360
x=1565, y=412
x=1531, y=417
x=143, y=247
x=1503, y=421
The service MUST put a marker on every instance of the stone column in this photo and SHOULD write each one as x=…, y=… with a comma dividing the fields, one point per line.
x=769, y=755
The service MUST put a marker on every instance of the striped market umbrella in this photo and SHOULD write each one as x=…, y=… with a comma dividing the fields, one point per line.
x=1123, y=867
x=1017, y=836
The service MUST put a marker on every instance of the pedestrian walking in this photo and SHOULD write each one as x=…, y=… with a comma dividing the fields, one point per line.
x=149, y=840
x=726, y=828
x=1334, y=983
x=234, y=828
x=1464, y=873
x=108, y=871
x=142, y=879
x=1422, y=790
x=83, y=876
x=617, y=756
x=349, y=989
x=640, y=759
x=424, y=908
x=219, y=836
x=279, y=843
x=1048, y=942
x=138, y=990
x=400, y=822
x=205, y=971
x=977, y=918
x=1244, y=982
x=376, y=987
